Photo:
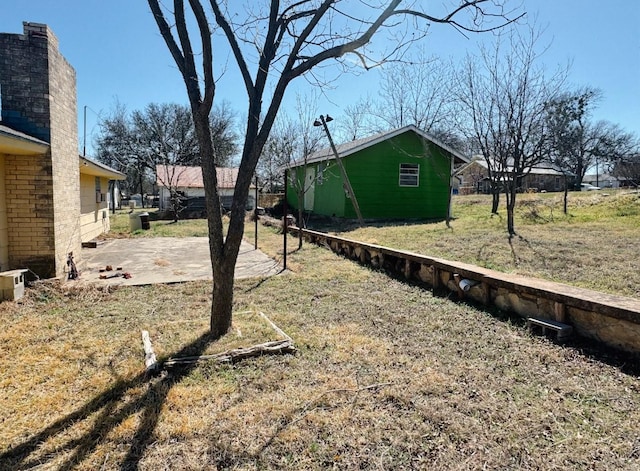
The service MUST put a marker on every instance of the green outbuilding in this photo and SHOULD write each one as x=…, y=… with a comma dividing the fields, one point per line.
x=400, y=174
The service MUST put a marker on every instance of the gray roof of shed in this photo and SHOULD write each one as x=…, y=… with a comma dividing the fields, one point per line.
x=357, y=145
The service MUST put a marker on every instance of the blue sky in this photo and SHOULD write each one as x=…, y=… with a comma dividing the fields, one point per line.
x=119, y=55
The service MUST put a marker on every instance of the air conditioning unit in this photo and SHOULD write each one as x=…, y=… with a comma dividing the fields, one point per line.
x=12, y=284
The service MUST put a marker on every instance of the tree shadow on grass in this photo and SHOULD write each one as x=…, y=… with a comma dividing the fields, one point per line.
x=260, y=282
x=113, y=409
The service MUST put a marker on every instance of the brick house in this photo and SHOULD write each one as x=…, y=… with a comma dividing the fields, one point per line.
x=42, y=178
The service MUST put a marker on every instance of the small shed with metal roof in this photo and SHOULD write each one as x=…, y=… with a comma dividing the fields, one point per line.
x=404, y=173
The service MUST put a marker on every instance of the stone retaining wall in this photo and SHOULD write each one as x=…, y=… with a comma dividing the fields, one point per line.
x=609, y=319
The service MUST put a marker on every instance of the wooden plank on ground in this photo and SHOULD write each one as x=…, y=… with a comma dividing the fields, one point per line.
x=150, y=361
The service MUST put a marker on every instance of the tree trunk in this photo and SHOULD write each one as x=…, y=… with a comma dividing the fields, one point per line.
x=511, y=204
x=495, y=202
x=566, y=194
x=140, y=178
x=579, y=174
x=223, y=253
x=300, y=219
x=222, y=304
x=510, y=222
x=447, y=219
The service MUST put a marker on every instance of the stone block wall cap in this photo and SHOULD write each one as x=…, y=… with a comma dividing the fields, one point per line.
x=39, y=30
x=32, y=26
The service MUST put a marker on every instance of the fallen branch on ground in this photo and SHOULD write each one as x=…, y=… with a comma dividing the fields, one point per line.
x=231, y=356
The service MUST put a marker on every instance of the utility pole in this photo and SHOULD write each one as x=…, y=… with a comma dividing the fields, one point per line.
x=285, y=229
x=347, y=184
x=84, y=133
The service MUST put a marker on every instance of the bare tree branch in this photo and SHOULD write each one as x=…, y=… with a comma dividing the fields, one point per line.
x=233, y=43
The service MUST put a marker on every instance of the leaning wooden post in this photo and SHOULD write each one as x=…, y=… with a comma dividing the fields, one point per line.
x=345, y=177
x=284, y=223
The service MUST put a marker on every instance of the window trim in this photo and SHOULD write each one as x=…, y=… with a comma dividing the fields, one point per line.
x=409, y=170
x=320, y=172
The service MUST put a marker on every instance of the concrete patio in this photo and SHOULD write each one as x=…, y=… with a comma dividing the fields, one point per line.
x=165, y=260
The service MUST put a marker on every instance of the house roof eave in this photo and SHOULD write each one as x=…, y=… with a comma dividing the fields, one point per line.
x=17, y=143
x=91, y=167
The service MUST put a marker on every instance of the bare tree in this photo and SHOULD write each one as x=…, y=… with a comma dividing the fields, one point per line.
x=161, y=135
x=293, y=139
x=358, y=120
x=416, y=92
x=164, y=139
x=577, y=143
x=574, y=139
x=116, y=146
x=275, y=155
x=627, y=167
x=480, y=118
x=505, y=97
x=169, y=177
x=224, y=134
x=280, y=42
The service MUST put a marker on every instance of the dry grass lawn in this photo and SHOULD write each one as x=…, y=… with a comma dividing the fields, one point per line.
x=596, y=245
x=386, y=377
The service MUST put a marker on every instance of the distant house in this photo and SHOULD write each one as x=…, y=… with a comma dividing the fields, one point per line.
x=627, y=172
x=603, y=180
x=187, y=183
x=400, y=174
x=474, y=178
x=49, y=201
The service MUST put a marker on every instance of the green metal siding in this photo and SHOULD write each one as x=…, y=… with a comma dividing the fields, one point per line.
x=330, y=196
x=374, y=174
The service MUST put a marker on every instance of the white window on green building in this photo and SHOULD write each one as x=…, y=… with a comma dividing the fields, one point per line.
x=409, y=174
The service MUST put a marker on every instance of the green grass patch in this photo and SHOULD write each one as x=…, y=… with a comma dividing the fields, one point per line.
x=121, y=226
